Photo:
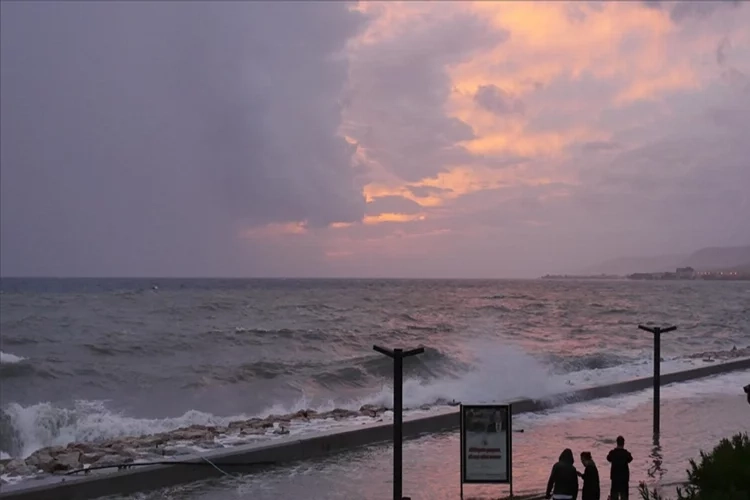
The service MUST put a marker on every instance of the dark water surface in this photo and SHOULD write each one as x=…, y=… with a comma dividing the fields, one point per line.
x=84, y=359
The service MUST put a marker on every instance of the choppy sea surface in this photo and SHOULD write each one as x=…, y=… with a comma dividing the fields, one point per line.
x=85, y=359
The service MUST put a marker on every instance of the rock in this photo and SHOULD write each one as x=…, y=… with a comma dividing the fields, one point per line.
x=747, y=391
x=371, y=410
x=341, y=413
x=252, y=431
x=156, y=440
x=18, y=467
x=190, y=435
x=280, y=418
x=56, y=450
x=92, y=457
x=41, y=459
x=67, y=461
x=84, y=447
x=127, y=453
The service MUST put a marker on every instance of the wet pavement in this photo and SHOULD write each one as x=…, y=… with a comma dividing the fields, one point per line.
x=694, y=417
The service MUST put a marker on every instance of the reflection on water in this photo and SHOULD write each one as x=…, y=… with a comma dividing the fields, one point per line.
x=656, y=471
x=431, y=464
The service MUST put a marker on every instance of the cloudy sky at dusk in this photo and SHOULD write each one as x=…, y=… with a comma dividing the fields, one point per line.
x=415, y=139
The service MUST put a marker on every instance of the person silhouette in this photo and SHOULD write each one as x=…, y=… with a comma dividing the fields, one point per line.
x=563, y=479
x=590, y=476
x=619, y=474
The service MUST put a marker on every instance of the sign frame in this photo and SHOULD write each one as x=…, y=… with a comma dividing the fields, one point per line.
x=508, y=410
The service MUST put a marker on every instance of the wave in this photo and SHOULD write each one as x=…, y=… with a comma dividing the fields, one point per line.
x=361, y=371
x=10, y=359
x=496, y=373
x=28, y=428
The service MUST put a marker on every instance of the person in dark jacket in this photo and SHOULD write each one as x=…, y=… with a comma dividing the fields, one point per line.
x=620, y=459
x=563, y=480
x=590, y=477
x=747, y=391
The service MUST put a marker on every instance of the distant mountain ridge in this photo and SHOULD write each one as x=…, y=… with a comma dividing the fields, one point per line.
x=705, y=259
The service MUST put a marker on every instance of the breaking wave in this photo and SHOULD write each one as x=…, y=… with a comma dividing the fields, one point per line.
x=10, y=359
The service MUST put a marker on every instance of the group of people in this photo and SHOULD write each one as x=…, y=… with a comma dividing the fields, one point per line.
x=563, y=480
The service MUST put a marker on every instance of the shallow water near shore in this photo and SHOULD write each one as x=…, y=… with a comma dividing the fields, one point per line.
x=695, y=415
x=88, y=360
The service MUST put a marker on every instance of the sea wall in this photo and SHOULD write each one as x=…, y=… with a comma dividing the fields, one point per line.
x=291, y=449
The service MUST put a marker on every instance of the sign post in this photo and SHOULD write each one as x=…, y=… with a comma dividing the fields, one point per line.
x=657, y=331
x=486, y=445
x=398, y=356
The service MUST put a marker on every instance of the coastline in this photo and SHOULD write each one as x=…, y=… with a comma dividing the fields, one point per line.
x=289, y=449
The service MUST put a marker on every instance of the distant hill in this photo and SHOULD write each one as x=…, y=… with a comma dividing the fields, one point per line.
x=705, y=259
x=627, y=265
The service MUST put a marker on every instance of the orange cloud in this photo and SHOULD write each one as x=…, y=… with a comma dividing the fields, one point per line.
x=275, y=230
x=392, y=217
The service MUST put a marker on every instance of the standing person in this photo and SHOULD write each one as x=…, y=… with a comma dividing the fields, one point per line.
x=563, y=480
x=590, y=477
x=620, y=471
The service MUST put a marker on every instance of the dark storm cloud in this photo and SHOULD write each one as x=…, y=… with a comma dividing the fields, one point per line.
x=392, y=205
x=400, y=87
x=495, y=100
x=139, y=138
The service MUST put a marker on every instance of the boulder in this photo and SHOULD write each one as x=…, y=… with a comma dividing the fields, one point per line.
x=341, y=413
x=41, y=459
x=188, y=434
x=238, y=424
x=280, y=418
x=372, y=410
x=156, y=440
x=67, y=461
x=252, y=431
x=84, y=447
x=18, y=467
x=91, y=457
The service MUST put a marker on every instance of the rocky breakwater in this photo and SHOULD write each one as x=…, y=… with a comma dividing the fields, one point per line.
x=170, y=445
x=731, y=354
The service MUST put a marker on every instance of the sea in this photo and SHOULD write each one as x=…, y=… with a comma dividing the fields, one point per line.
x=88, y=359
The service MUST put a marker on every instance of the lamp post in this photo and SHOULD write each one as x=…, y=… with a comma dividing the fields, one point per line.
x=398, y=356
x=657, y=331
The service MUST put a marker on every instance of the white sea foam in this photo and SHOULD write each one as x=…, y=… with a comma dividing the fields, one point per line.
x=726, y=384
x=10, y=359
x=501, y=376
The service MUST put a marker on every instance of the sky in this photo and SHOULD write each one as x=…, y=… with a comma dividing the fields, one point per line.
x=394, y=139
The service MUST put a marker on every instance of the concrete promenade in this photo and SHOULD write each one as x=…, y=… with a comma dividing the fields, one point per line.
x=284, y=450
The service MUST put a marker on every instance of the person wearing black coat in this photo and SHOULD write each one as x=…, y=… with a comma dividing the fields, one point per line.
x=620, y=459
x=591, y=490
x=563, y=480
